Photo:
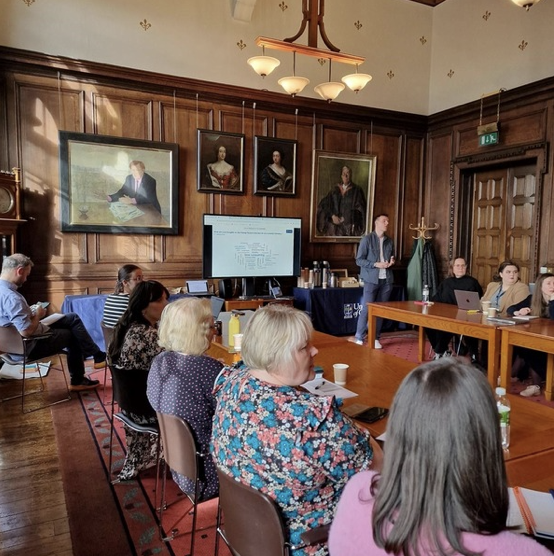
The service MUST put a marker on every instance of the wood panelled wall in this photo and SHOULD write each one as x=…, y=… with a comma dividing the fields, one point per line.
x=425, y=165
x=44, y=94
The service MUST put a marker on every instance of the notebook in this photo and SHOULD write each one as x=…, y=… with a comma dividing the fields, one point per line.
x=468, y=301
x=532, y=511
x=198, y=287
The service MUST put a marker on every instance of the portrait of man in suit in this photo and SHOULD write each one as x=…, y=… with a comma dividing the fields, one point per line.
x=139, y=188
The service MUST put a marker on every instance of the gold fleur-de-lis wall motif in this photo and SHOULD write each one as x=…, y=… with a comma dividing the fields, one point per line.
x=241, y=45
x=28, y=2
x=486, y=15
x=450, y=73
x=422, y=40
x=283, y=6
x=390, y=74
x=145, y=25
x=523, y=45
x=358, y=25
x=322, y=61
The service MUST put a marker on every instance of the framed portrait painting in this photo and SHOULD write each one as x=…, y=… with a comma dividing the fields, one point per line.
x=118, y=185
x=220, y=162
x=343, y=187
x=275, y=167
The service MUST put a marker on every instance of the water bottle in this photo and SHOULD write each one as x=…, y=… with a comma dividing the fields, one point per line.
x=425, y=296
x=234, y=328
x=503, y=405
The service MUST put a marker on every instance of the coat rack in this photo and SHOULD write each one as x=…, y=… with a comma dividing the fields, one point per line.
x=422, y=229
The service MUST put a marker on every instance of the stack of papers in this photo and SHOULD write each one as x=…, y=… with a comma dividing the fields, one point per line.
x=532, y=512
x=322, y=387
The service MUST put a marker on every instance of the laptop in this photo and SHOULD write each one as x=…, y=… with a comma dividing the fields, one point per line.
x=217, y=305
x=198, y=287
x=467, y=301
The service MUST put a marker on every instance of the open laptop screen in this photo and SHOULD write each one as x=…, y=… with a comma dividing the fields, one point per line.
x=197, y=287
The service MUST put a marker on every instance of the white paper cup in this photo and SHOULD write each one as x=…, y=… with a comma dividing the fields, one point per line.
x=238, y=340
x=491, y=312
x=485, y=306
x=339, y=370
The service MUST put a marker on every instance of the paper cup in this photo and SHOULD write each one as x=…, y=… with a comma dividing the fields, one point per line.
x=238, y=340
x=491, y=312
x=339, y=370
x=485, y=306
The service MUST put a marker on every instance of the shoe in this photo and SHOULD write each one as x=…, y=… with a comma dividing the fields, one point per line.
x=84, y=384
x=437, y=356
x=441, y=355
x=378, y=345
x=531, y=390
x=100, y=360
x=359, y=342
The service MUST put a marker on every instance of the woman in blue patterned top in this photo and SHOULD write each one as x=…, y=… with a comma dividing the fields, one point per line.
x=271, y=434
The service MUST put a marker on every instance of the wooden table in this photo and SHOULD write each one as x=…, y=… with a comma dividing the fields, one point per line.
x=537, y=334
x=254, y=303
x=440, y=316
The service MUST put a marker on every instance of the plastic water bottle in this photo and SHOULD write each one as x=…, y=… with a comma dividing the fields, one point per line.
x=234, y=328
x=425, y=296
x=503, y=405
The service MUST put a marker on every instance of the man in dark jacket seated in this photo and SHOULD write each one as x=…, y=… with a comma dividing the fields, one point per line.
x=457, y=280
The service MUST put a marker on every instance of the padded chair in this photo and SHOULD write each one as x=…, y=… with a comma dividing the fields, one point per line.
x=129, y=392
x=107, y=332
x=181, y=454
x=253, y=522
x=13, y=343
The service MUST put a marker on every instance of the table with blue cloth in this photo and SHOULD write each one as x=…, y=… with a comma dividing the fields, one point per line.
x=335, y=311
x=91, y=309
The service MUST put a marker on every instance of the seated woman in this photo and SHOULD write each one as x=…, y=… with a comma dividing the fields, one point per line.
x=442, y=490
x=505, y=290
x=128, y=276
x=540, y=304
x=181, y=379
x=274, y=436
x=134, y=345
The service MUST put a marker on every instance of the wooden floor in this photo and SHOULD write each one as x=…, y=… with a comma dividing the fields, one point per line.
x=33, y=515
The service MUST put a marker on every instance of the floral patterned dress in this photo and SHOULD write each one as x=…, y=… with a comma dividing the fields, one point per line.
x=296, y=447
x=139, y=348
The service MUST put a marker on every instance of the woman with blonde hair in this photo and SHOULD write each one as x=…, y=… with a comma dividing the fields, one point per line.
x=182, y=377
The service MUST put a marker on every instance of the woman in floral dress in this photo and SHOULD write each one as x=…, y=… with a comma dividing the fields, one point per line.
x=271, y=434
x=134, y=346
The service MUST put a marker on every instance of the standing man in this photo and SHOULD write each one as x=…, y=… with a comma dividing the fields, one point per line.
x=139, y=188
x=342, y=211
x=375, y=257
x=68, y=332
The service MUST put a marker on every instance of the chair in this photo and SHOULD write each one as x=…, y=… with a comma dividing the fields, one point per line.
x=182, y=455
x=129, y=392
x=253, y=522
x=13, y=343
x=107, y=332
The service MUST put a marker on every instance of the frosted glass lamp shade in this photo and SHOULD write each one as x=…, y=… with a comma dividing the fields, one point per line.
x=263, y=65
x=525, y=3
x=330, y=90
x=356, y=81
x=293, y=84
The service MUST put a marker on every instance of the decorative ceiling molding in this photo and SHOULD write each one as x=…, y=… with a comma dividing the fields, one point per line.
x=243, y=10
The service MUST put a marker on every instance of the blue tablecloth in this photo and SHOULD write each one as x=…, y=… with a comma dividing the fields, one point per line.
x=335, y=310
x=91, y=308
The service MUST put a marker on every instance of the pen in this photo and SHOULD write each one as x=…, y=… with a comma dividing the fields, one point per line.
x=472, y=311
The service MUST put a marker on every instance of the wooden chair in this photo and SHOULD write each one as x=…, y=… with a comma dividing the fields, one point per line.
x=181, y=454
x=14, y=344
x=253, y=522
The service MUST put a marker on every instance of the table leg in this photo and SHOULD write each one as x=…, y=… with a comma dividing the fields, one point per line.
x=506, y=353
x=371, y=327
x=548, y=393
x=421, y=344
x=493, y=357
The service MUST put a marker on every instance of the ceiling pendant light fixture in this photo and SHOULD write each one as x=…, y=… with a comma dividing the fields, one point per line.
x=525, y=3
x=263, y=65
x=356, y=81
x=330, y=90
x=293, y=84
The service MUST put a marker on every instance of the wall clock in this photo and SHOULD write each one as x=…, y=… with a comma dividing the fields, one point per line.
x=9, y=195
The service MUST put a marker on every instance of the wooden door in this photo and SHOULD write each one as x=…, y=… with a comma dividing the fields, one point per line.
x=504, y=221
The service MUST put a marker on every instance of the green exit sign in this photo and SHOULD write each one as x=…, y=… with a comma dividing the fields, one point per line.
x=488, y=139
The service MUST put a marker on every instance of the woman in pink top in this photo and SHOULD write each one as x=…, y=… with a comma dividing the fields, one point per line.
x=442, y=490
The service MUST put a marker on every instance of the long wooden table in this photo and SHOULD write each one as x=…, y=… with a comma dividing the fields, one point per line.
x=537, y=334
x=440, y=316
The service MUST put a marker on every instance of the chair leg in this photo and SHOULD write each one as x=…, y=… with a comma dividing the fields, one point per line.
x=111, y=440
x=194, y=515
x=217, y=529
